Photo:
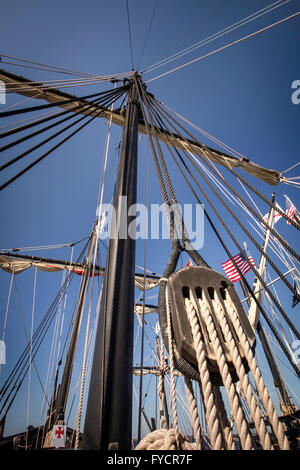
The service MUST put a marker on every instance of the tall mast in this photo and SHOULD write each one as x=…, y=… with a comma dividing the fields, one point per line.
x=63, y=391
x=108, y=420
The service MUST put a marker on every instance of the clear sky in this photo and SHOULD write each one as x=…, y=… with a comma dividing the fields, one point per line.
x=241, y=95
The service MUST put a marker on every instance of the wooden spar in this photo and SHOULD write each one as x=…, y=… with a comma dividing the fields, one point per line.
x=63, y=391
x=108, y=420
x=26, y=87
x=253, y=316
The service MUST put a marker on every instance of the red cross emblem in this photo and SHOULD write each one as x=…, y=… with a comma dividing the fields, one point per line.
x=59, y=432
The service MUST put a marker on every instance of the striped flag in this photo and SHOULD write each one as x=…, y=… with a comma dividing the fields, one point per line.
x=291, y=211
x=242, y=263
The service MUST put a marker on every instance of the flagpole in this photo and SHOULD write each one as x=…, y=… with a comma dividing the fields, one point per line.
x=253, y=312
x=253, y=316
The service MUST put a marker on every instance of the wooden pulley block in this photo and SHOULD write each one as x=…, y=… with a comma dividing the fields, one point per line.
x=206, y=288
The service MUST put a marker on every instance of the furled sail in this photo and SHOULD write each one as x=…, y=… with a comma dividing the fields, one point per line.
x=37, y=90
x=16, y=264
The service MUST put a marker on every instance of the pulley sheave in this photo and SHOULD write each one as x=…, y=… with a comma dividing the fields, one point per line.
x=206, y=289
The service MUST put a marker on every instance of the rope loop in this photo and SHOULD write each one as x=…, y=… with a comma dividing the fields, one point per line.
x=165, y=439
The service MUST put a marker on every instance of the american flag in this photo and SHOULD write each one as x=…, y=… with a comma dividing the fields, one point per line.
x=241, y=262
x=291, y=211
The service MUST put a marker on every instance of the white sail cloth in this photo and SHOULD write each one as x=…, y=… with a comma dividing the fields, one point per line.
x=16, y=266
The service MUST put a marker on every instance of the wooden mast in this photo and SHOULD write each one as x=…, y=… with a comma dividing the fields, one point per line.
x=108, y=419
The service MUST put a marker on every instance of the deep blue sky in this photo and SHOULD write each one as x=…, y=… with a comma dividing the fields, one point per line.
x=241, y=95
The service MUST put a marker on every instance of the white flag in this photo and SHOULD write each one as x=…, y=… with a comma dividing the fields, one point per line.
x=59, y=435
x=276, y=215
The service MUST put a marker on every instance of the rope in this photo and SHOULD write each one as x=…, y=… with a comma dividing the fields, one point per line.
x=235, y=241
x=147, y=34
x=55, y=69
x=237, y=411
x=6, y=312
x=227, y=251
x=194, y=413
x=214, y=36
x=171, y=355
x=39, y=131
x=129, y=32
x=84, y=362
x=243, y=378
x=165, y=439
x=277, y=426
x=227, y=428
x=30, y=355
x=212, y=418
x=211, y=12
x=225, y=47
x=8, y=182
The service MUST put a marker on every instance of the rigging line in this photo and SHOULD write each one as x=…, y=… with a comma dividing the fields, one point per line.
x=19, y=125
x=158, y=170
x=225, y=47
x=30, y=356
x=252, y=188
x=39, y=330
x=22, y=155
x=51, y=105
x=232, y=259
x=177, y=213
x=45, y=118
x=231, y=198
x=50, y=83
x=84, y=361
x=207, y=134
x=279, y=359
x=129, y=32
x=197, y=25
x=275, y=316
x=103, y=171
x=18, y=386
x=88, y=76
x=20, y=89
x=6, y=312
x=147, y=34
x=144, y=300
x=258, y=216
x=288, y=169
x=255, y=213
x=240, y=249
x=11, y=180
x=39, y=131
x=56, y=69
x=29, y=84
x=23, y=359
x=48, y=397
x=272, y=264
x=21, y=101
x=217, y=35
x=26, y=335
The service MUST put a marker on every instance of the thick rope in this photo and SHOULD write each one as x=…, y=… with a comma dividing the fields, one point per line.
x=161, y=386
x=212, y=418
x=194, y=413
x=237, y=410
x=164, y=439
x=228, y=436
x=171, y=355
x=277, y=426
x=257, y=418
